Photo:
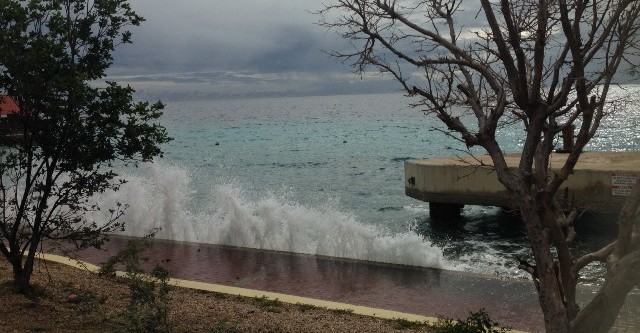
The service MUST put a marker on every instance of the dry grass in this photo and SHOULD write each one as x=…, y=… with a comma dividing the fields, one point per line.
x=101, y=302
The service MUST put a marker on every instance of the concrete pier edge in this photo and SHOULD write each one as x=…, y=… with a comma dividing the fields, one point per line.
x=600, y=182
x=292, y=299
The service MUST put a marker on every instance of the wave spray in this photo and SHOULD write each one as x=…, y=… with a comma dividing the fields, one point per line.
x=164, y=199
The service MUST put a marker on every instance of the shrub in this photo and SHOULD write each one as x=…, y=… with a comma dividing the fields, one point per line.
x=477, y=322
x=269, y=305
x=85, y=300
x=148, y=306
x=403, y=324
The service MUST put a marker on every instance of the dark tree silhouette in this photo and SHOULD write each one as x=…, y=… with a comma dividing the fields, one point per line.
x=52, y=56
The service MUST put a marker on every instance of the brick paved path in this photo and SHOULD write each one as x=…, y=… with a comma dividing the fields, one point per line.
x=423, y=291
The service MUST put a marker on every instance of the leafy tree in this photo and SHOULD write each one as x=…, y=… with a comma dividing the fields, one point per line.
x=546, y=65
x=53, y=54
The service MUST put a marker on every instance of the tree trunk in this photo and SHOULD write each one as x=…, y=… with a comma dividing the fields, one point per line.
x=22, y=281
x=22, y=271
x=601, y=313
x=21, y=276
x=549, y=293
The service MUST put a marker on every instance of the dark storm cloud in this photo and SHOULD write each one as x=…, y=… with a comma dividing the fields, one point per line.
x=242, y=48
x=238, y=47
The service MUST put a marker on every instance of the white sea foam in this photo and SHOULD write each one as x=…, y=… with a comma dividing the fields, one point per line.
x=163, y=199
x=485, y=259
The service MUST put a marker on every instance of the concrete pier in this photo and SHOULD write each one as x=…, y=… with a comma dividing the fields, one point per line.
x=601, y=181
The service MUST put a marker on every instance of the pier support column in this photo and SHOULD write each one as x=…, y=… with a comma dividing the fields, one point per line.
x=443, y=210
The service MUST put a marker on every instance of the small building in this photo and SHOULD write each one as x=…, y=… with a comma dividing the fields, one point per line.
x=8, y=106
x=9, y=109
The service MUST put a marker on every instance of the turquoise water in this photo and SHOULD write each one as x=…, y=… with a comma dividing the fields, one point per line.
x=324, y=175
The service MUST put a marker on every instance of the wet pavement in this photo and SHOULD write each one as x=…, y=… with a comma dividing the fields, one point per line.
x=423, y=291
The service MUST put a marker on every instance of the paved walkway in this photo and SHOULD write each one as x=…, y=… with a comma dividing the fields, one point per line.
x=415, y=290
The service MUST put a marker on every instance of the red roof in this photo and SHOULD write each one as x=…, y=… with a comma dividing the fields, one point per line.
x=8, y=105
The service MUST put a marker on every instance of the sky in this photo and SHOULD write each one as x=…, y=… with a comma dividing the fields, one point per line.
x=241, y=48
x=222, y=48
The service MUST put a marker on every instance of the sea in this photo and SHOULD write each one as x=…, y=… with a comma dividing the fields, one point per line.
x=323, y=175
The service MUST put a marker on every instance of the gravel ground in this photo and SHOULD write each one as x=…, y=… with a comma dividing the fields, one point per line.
x=101, y=304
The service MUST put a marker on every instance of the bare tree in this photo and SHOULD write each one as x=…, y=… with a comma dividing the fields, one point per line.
x=545, y=64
